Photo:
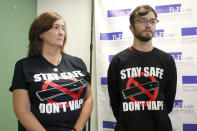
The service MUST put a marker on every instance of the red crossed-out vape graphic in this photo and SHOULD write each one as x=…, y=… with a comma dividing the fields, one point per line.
x=73, y=89
x=141, y=89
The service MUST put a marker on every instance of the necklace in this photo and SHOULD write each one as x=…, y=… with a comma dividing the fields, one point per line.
x=55, y=69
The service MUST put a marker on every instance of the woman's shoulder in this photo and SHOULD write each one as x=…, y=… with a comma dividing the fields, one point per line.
x=72, y=58
x=22, y=60
x=29, y=60
x=74, y=61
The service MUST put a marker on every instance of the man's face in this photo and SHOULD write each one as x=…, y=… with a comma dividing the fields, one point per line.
x=144, y=27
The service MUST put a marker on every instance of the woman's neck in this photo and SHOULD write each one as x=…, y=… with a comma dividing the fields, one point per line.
x=53, y=55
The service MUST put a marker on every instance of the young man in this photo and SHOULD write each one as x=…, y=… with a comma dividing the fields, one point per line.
x=142, y=79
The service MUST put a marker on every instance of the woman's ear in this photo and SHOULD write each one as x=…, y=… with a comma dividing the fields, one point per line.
x=41, y=36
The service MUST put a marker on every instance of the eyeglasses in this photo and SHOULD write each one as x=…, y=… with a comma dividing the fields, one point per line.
x=145, y=21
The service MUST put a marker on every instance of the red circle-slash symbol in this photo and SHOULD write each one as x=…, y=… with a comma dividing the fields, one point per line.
x=151, y=96
x=63, y=89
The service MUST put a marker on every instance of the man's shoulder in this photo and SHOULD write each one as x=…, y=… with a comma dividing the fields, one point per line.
x=159, y=50
x=121, y=54
x=120, y=57
x=163, y=54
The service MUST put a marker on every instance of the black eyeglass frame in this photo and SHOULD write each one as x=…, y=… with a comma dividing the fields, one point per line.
x=146, y=21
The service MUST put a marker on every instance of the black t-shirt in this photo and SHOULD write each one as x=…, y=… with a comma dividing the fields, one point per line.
x=56, y=92
x=142, y=89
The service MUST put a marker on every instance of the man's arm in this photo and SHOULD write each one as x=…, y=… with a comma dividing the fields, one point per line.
x=171, y=86
x=112, y=79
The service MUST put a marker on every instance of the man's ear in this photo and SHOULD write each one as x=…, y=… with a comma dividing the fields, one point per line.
x=131, y=28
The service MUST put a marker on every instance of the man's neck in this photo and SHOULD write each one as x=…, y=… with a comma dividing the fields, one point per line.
x=142, y=46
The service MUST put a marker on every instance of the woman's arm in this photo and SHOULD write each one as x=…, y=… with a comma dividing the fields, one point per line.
x=21, y=104
x=86, y=110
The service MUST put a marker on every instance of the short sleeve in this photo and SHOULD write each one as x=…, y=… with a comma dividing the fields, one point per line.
x=18, y=81
x=84, y=70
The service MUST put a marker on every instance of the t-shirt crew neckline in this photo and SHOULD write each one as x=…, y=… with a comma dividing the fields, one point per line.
x=140, y=53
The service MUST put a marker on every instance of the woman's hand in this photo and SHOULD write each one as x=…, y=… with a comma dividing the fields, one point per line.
x=21, y=104
x=86, y=110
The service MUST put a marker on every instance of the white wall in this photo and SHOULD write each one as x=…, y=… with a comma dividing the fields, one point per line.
x=77, y=14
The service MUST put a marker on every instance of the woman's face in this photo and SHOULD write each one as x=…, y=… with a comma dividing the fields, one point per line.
x=55, y=35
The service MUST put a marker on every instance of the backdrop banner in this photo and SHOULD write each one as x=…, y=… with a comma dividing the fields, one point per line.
x=176, y=33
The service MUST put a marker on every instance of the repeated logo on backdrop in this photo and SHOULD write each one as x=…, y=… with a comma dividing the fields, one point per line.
x=174, y=10
x=159, y=33
x=189, y=127
x=189, y=31
x=118, y=13
x=168, y=8
x=189, y=35
x=111, y=36
x=181, y=59
x=109, y=124
x=181, y=107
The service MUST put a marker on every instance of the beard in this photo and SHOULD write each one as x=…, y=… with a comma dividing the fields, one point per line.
x=144, y=38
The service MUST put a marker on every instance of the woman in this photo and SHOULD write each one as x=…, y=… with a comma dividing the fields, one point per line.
x=51, y=89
